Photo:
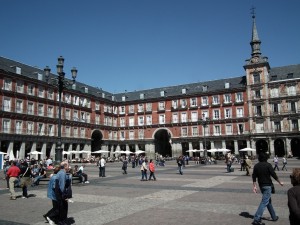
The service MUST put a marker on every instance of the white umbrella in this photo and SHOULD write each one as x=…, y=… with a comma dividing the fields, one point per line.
x=139, y=152
x=100, y=151
x=3, y=153
x=35, y=153
x=247, y=150
x=127, y=152
x=191, y=150
x=212, y=150
x=65, y=152
x=224, y=150
x=200, y=150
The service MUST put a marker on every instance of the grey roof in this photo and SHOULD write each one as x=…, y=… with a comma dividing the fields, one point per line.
x=192, y=89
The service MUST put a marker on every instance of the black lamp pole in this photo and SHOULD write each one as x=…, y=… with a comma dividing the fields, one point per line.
x=204, y=121
x=61, y=84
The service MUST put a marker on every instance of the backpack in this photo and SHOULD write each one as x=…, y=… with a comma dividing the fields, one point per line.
x=67, y=193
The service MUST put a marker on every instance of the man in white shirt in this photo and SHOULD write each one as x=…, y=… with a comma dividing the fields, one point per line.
x=102, y=167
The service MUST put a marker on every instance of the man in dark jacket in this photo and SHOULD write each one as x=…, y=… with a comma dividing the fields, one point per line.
x=263, y=171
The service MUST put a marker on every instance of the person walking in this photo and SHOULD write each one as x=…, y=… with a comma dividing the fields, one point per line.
x=294, y=197
x=52, y=216
x=144, y=170
x=102, y=167
x=275, y=160
x=284, y=161
x=124, y=166
x=152, y=170
x=180, y=163
x=25, y=178
x=248, y=165
x=13, y=174
x=262, y=172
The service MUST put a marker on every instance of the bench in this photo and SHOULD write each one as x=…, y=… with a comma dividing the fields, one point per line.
x=46, y=179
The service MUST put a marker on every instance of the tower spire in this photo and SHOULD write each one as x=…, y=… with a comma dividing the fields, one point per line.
x=255, y=42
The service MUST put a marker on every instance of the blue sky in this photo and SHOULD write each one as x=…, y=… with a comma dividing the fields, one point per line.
x=120, y=45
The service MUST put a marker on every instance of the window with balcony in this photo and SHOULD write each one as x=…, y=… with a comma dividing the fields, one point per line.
x=131, y=135
x=174, y=104
x=131, y=109
x=41, y=110
x=275, y=108
x=140, y=108
x=277, y=126
x=239, y=112
x=161, y=106
x=30, y=108
x=228, y=129
x=19, y=127
x=256, y=78
x=122, y=109
x=217, y=130
x=141, y=121
x=82, y=117
x=115, y=122
x=257, y=94
x=291, y=90
x=183, y=103
x=240, y=128
x=82, y=132
x=7, y=104
x=6, y=126
x=215, y=100
x=258, y=110
x=75, y=115
x=227, y=98
x=7, y=84
x=75, y=100
x=162, y=119
x=227, y=113
x=122, y=122
x=20, y=86
x=41, y=92
x=239, y=97
x=274, y=93
x=122, y=135
x=68, y=98
x=195, y=132
x=175, y=118
x=183, y=117
x=141, y=134
x=193, y=102
x=75, y=132
x=30, y=128
x=19, y=106
x=149, y=107
x=68, y=114
x=106, y=120
x=216, y=114
x=41, y=129
x=292, y=107
x=194, y=116
x=149, y=120
x=98, y=120
x=97, y=106
x=184, y=132
x=131, y=121
x=50, y=111
x=68, y=131
x=30, y=89
x=295, y=125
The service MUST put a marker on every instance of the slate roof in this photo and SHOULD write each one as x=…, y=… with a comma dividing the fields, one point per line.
x=192, y=89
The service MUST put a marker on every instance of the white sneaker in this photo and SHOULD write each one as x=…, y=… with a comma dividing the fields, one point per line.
x=51, y=222
x=87, y=182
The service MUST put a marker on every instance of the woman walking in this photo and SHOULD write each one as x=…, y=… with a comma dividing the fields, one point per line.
x=152, y=170
x=124, y=166
x=144, y=170
x=25, y=178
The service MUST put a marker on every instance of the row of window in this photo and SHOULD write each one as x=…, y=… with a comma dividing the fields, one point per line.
x=40, y=129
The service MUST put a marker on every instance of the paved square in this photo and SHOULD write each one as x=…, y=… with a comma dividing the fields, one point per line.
x=202, y=195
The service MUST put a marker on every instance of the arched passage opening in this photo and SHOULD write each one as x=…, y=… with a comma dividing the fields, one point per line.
x=279, y=147
x=162, y=143
x=96, y=140
x=262, y=146
x=295, y=147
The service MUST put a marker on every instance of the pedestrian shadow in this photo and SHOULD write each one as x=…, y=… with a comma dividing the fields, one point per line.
x=246, y=215
x=29, y=196
x=70, y=221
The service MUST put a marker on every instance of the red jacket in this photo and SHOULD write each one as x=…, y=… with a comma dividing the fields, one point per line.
x=13, y=171
x=151, y=167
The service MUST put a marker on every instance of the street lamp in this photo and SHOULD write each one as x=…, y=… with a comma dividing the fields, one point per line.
x=204, y=122
x=61, y=84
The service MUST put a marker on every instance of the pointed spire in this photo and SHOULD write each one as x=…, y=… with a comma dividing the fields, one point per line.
x=255, y=42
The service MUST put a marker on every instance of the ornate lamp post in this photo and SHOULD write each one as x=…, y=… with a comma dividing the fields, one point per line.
x=204, y=122
x=61, y=84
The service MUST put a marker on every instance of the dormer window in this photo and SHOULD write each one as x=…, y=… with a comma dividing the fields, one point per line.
x=123, y=98
x=86, y=89
x=256, y=78
x=113, y=98
x=142, y=96
x=204, y=88
x=227, y=85
x=103, y=95
x=162, y=94
x=183, y=91
x=40, y=76
x=290, y=76
x=273, y=77
x=74, y=86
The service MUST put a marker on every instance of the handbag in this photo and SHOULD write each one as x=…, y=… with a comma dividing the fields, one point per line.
x=273, y=189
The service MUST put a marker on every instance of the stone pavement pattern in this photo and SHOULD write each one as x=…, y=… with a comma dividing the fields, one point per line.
x=202, y=195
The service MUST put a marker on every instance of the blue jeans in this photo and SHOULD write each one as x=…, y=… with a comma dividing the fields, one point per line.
x=144, y=174
x=265, y=202
x=180, y=169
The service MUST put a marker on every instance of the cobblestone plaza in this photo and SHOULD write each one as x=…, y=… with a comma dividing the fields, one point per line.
x=202, y=195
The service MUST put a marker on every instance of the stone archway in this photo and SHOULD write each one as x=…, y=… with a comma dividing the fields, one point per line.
x=96, y=140
x=279, y=147
x=262, y=146
x=162, y=139
x=295, y=147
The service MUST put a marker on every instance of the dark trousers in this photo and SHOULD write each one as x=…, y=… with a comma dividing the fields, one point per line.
x=53, y=213
x=63, y=210
x=101, y=171
x=152, y=175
